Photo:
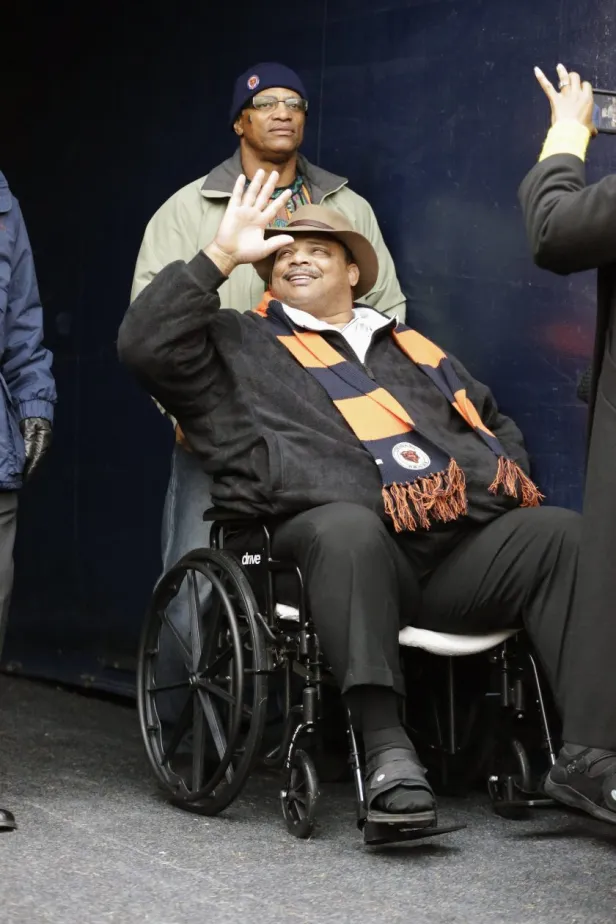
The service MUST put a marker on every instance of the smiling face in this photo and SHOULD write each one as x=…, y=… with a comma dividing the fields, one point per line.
x=272, y=134
x=315, y=273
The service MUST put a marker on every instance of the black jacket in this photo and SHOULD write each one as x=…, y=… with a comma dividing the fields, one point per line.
x=572, y=227
x=264, y=428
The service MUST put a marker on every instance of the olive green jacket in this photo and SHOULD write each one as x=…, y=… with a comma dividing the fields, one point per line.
x=189, y=220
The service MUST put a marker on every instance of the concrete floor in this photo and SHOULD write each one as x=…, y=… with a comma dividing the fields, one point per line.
x=97, y=844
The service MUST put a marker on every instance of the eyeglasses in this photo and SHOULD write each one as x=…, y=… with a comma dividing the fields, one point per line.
x=269, y=103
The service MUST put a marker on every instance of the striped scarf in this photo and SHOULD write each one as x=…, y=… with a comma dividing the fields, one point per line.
x=422, y=483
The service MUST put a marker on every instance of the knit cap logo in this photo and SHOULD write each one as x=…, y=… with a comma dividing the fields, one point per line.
x=253, y=82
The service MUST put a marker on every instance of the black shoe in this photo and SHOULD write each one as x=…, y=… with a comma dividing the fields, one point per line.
x=7, y=821
x=397, y=789
x=585, y=779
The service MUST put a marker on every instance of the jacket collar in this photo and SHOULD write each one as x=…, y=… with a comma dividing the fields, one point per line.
x=219, y=182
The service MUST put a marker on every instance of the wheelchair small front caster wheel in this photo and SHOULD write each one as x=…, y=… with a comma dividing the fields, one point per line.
x=7, y=820
x=510, y=788
x=511, y=810
x=299, y=796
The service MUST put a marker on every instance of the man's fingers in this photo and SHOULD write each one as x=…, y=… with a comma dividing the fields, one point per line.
x=32, y=460
x=254, y=188
x=238, y=191
x=31, y=469
x=587, y=89
x=563, y=76
x=545, y=84
x=274, y=207
x=275, y=243
x=575, y=83
x=266, y=193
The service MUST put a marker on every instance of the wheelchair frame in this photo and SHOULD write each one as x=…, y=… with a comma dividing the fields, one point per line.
x=256, y=646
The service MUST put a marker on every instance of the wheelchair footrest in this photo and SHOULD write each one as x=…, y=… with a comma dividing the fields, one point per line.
x=7, y=820
x=376, y=834
x=520, y=809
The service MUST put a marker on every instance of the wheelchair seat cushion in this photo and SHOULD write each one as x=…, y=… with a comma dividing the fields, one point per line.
x=446, y=644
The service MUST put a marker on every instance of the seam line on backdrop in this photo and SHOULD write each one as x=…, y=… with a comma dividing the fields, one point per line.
x=322, y=83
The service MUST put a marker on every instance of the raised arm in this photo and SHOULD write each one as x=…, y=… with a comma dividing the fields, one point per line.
x=571, y=226
x=164, y=338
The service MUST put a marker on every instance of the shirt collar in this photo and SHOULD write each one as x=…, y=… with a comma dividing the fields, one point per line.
x=372, y=319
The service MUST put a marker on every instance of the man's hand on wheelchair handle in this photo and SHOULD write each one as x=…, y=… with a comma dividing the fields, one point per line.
x=240, y=238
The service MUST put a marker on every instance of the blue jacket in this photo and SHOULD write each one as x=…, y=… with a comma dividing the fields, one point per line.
x=27, y=387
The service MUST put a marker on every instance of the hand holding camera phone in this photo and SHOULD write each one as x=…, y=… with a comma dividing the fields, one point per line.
x=575, y=99
x=604, y=111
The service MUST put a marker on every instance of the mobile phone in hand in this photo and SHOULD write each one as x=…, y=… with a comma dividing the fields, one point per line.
x=604, y=111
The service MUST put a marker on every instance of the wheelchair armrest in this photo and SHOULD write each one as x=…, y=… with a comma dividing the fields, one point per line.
x=220, y=515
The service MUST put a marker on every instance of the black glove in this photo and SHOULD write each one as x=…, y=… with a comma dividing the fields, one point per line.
x=36, y=432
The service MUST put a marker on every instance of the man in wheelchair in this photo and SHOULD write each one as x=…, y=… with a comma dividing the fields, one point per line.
x=389, y=475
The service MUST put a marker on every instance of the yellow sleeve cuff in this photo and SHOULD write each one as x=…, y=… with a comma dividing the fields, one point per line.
x=566, y=137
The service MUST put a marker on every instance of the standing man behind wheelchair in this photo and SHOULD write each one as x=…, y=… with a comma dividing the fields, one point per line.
x=572, y=228
x=28, y=392
x=400, y=490
x=268, y=115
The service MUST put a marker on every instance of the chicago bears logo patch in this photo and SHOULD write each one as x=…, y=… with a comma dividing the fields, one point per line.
x=409, y=456
x=253, y=82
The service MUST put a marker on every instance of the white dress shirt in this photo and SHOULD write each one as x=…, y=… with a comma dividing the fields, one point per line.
x=357, y=333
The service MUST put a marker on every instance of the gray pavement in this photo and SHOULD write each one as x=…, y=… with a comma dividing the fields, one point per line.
x=97, y=845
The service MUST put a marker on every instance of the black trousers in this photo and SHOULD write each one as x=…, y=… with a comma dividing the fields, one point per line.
x=364, y=583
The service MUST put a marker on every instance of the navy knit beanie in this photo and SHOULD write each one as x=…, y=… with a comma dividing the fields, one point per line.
x=262, y=77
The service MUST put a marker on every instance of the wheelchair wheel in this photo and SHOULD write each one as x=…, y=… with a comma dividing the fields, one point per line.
x=299, y=797
x=201, y=686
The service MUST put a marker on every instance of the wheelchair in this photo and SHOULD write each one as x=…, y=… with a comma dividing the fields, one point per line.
x=249, y=664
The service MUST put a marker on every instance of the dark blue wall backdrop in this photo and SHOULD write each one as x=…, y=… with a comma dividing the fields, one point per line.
x=431, y=109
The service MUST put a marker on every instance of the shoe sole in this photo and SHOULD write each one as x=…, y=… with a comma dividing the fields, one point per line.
x=425, y=819
x=575, y=799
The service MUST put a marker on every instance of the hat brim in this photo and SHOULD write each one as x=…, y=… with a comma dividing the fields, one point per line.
x=364, y=255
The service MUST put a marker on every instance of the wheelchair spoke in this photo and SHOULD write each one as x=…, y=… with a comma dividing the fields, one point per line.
x=195, y=622
x=165, y=688
x=178, y=732
x=210, y=636
x=198, y=748
x=186, y=652
x=216, y=729
x=217, y=691
x=220, y=661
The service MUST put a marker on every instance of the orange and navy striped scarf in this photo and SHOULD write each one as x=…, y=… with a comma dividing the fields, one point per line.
x=422, y=483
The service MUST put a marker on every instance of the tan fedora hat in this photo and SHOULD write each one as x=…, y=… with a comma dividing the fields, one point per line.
x=318, y=219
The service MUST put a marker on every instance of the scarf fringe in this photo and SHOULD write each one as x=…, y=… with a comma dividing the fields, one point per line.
x=514, y=482
x=440, y=497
